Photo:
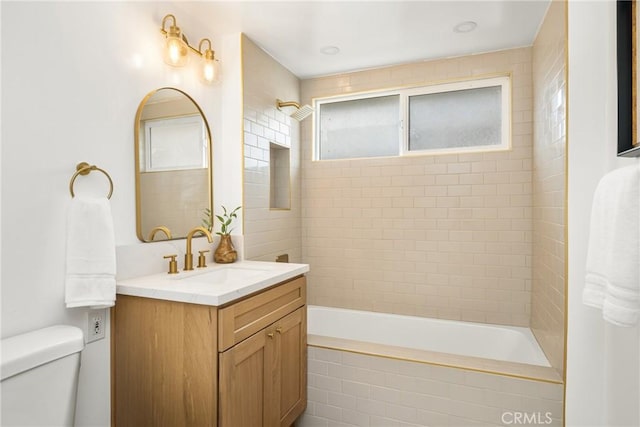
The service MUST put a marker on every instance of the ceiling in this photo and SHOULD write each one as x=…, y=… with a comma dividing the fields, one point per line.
x=370, y=34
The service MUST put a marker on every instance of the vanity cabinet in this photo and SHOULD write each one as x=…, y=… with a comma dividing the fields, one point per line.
x=263, y=378
x=240, y=364
x=263, y=356
x=164, y=370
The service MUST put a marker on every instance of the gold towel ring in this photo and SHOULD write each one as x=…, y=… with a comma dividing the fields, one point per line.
x=84, y=168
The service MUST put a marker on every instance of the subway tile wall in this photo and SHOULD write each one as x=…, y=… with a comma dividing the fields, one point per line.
x=439, y=236
x=549, y=193
x=176, y=199
x=280, y=164
x=348, y=389
x=268, y=232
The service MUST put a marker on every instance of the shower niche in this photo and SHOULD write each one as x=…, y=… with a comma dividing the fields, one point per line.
x=279, y=177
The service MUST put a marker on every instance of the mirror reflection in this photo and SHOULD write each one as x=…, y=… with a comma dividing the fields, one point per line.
x=173, y=165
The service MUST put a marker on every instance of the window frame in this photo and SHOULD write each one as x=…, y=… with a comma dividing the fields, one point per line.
x=199, y=145
x=503, y=80
x=354, y=97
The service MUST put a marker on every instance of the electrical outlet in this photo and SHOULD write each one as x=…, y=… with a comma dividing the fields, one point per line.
x=96, y=324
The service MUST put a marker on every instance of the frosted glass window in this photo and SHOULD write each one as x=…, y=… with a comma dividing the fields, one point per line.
x=456, y=119
x=162, y=153
x=367, y=127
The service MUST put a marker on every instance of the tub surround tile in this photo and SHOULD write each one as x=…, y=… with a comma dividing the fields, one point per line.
x=312, y=421
x=548, y=293
x=431, y=362
x=425, y=214
x=430, y=395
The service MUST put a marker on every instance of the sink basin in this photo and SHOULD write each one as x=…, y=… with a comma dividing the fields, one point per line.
x=224, y=275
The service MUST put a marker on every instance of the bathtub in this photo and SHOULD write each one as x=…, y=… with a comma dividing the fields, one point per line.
x=506, y=343
x=381, y=369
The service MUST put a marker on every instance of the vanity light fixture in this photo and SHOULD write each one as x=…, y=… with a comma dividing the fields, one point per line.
x=176, y=51
x=210, y=71
x=176, y=46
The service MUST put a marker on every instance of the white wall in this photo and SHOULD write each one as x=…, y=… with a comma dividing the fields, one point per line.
x=602, y=360
x=73, y=75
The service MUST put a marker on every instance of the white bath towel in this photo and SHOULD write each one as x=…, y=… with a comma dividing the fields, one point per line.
x=91, y=254
x=613, y=259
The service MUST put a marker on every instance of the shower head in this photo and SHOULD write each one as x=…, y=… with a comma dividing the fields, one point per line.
x=300, y=113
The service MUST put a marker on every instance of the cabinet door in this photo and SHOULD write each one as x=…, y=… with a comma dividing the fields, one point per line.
x=291, y=382
x=164, y=363
x=246, y=382
x=263, y=379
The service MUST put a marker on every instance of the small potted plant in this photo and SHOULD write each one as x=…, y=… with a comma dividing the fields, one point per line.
x=225, y=253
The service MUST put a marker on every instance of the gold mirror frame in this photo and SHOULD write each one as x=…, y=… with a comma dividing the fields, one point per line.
x=160, y=229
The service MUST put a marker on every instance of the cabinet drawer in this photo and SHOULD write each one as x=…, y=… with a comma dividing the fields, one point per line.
x=244, y=318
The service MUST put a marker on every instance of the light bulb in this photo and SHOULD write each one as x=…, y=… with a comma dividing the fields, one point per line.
x=210, y=68
x=210, y=72
x=176, y=52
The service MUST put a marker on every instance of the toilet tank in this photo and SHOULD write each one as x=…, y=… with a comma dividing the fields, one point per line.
x=39, y=372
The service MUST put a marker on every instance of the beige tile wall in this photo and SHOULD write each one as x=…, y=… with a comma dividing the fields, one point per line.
x=268, y=233
x=175, y=199
x=280, y=193
x=360, y=390
x=438, y=236
x=548, y=287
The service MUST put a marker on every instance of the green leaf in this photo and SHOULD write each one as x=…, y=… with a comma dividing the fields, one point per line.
x=226, y=219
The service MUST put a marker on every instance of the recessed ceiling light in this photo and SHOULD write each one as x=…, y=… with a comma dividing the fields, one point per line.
x=330, y=50
x=465, y=27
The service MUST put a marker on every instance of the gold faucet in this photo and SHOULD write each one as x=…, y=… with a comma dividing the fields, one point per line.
x=188, y=257
x=162, y=228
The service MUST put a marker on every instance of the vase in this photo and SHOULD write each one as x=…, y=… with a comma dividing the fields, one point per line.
x=225, y=253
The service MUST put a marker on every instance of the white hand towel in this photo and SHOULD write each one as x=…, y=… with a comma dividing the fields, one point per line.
x=91, y=254
x=613, y=258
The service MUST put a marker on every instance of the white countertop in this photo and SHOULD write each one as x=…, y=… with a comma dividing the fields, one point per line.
x=215, y=285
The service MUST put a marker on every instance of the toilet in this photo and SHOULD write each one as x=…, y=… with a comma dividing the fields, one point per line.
x=40, y=377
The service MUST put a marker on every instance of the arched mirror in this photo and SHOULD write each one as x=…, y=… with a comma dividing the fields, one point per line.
x=173, y=166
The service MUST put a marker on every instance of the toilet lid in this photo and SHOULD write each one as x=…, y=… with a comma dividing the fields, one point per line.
x=29, y=350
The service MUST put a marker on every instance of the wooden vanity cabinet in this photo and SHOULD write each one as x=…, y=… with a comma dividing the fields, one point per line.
x=291, y=389
x=263, y=378
x=164, y=370
x=179, y=364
